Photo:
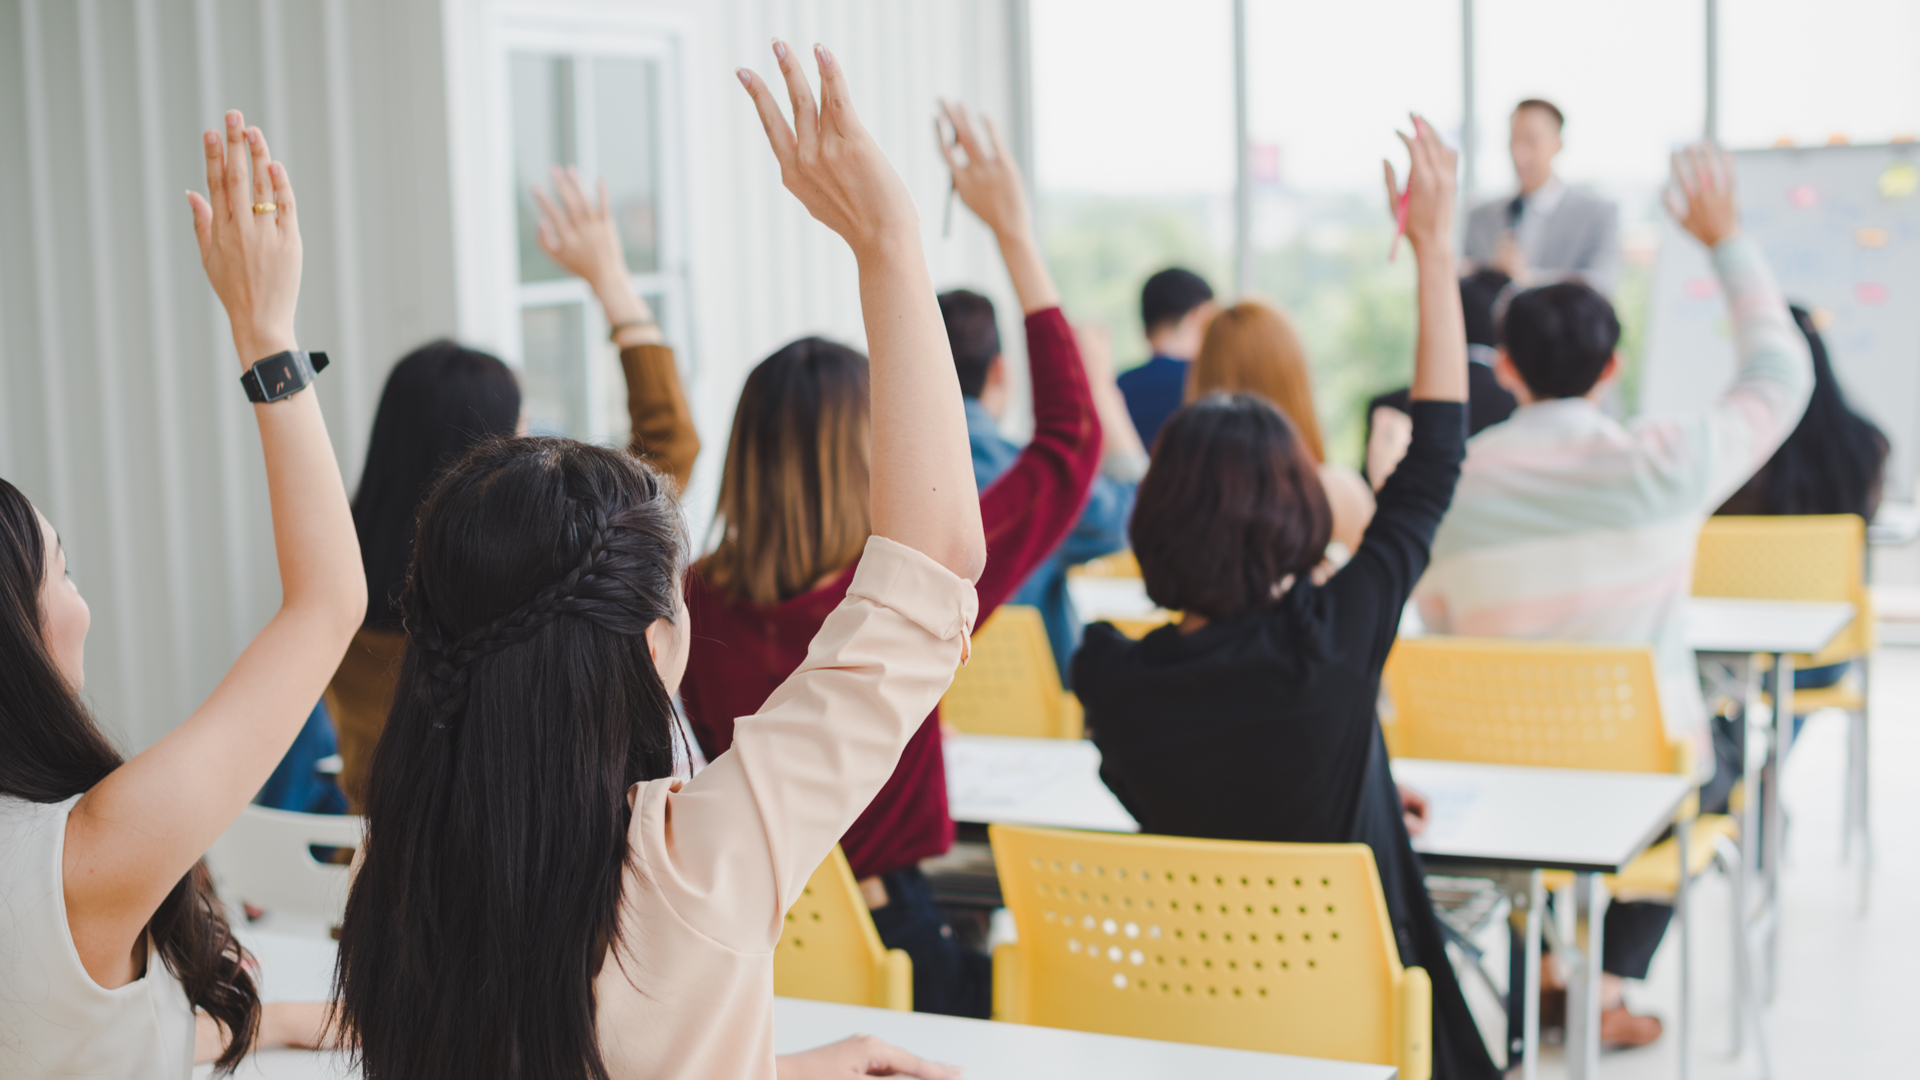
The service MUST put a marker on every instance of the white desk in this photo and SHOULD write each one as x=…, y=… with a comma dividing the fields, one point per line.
x=1097, y=598
x=1717, y=625
x=1053, y=783
x=298, y=969
x=1504, y=817
x=1895, y=524
x=1533, y=818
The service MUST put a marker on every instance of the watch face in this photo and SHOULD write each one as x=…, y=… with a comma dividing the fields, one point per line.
x=283, y=376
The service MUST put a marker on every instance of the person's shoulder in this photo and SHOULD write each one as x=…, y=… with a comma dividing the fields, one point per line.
x=1103, y=651
x=1586, y=199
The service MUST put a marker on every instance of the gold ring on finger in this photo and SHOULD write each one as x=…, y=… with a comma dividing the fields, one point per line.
x=266, y=208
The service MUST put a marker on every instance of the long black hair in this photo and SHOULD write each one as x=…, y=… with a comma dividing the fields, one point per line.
x=497, y=814
x=440, y=400
x=51, y=750
x=1834, y=460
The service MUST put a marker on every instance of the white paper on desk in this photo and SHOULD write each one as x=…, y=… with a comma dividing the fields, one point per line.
x=1002, y=777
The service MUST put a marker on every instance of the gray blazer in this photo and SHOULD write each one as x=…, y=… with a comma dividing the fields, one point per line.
x=1580, y=241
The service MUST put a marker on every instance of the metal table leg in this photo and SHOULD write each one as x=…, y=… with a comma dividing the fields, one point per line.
x=1530, y=1007
x=1773, y=826
x=1583, y=985
x=1681, y=908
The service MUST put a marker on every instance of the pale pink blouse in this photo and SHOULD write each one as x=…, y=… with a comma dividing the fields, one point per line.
x=719, y=858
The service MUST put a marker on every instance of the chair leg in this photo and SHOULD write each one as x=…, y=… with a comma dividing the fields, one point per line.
x=1682, y=906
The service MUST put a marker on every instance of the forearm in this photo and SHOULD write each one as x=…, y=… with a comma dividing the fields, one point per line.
x=1440, y=350
x=1772, y=352
x=922, y=486
x=1122, y=450
x=625, y=309
x=663, y=431
x=313, y=535
x=1032, y=283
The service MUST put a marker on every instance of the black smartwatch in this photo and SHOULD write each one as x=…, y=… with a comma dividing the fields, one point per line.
x=282, y=375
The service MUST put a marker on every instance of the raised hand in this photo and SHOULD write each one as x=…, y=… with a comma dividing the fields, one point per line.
x=827, y=159
x=583, y=238
x=984, y=175
x=1701, y=197
x=249, y=239
x=1429, y=189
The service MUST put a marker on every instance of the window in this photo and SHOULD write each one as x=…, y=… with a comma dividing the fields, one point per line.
x=607, y=114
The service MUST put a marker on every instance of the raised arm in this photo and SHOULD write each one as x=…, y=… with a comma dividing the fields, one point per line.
x=1393, y=552
x=921, y=473
x=137, y=832
x=583, y=238
x=1763, y=406
x=988, y=181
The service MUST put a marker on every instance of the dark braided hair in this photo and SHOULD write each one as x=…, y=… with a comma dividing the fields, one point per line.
x=528, y=704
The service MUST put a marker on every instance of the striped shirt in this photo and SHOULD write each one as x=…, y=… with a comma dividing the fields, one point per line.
x=1569, y=526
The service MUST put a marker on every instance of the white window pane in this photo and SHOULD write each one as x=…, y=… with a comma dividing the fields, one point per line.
x=553, y=374
x=1133, y=137
x=626, y=143
x=1327, y=87
x=1807, y=73
x=543, y=136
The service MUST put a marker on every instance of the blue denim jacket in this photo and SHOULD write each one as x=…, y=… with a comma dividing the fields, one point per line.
x=1102, y=530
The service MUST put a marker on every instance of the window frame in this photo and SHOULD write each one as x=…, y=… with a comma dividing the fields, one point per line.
x=584, y=40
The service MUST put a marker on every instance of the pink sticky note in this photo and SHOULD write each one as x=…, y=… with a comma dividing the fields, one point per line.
x=1803, y=195
x=1870, y=292
x=1702, y=288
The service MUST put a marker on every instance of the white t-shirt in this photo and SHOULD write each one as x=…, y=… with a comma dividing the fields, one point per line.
x=55, y=1021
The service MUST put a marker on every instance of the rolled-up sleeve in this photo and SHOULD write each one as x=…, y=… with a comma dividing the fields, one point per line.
x=731, y=848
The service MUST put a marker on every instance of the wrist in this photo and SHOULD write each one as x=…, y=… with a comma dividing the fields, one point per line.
x=889, y=244
x=256, y=346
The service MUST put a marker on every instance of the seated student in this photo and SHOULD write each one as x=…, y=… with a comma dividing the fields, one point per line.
x=1571, y=526
x=1175, y=306
x=1255, y=718
x=116, y=958
x=1252, y=347
x=793, y=518
x=990, y=185
x=440, y=401
x=540, y=894
x=1488, y=403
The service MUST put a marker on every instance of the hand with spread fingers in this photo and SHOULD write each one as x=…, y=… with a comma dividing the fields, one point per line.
x=1429, y=190
x=249, y=239
x=828, y=159
x=1701, y=197
x=984, y=174
x=583, y=238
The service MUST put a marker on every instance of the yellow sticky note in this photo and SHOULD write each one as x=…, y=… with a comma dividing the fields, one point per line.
x=1869, y=237
x=1899, y=181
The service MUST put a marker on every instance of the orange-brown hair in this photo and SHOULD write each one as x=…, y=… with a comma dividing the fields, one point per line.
x=793, y=494
x=1251, y=347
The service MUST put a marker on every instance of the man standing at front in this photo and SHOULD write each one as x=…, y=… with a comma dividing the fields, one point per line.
x=1548, y=232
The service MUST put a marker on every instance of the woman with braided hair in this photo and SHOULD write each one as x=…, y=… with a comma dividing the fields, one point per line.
x=539, y=895
x=116, y=959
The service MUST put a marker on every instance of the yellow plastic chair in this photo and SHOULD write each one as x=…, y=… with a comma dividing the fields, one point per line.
x=830, y=951
x=1011, y=685
x=1814, y=557
x=1120, y=564
x=1560, y=705
x=1285, y=948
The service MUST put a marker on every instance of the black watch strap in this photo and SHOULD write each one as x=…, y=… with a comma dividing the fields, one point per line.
x=282, y=375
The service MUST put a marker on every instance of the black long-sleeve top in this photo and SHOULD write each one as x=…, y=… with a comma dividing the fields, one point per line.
x=1265, y=726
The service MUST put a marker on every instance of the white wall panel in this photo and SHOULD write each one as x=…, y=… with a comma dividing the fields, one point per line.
x=120, y=409
x=121, y=414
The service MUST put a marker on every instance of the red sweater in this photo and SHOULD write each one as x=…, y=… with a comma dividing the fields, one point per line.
x=740, y=652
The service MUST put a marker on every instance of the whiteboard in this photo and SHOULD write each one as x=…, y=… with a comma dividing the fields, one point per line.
x=1840, y=225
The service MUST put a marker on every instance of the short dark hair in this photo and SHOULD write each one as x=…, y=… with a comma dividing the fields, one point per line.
x=1545, y=106
x=1479, y=291
x=1559, y=338
x=1230, y=507
x=1169, y=295
x=974, y=334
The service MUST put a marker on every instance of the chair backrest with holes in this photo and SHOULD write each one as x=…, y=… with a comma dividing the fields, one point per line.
x=1285, y=948
x=830, y=951
x=266, y=859
x=1814, y=557
x=1011, y=685
x=1558, y=704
